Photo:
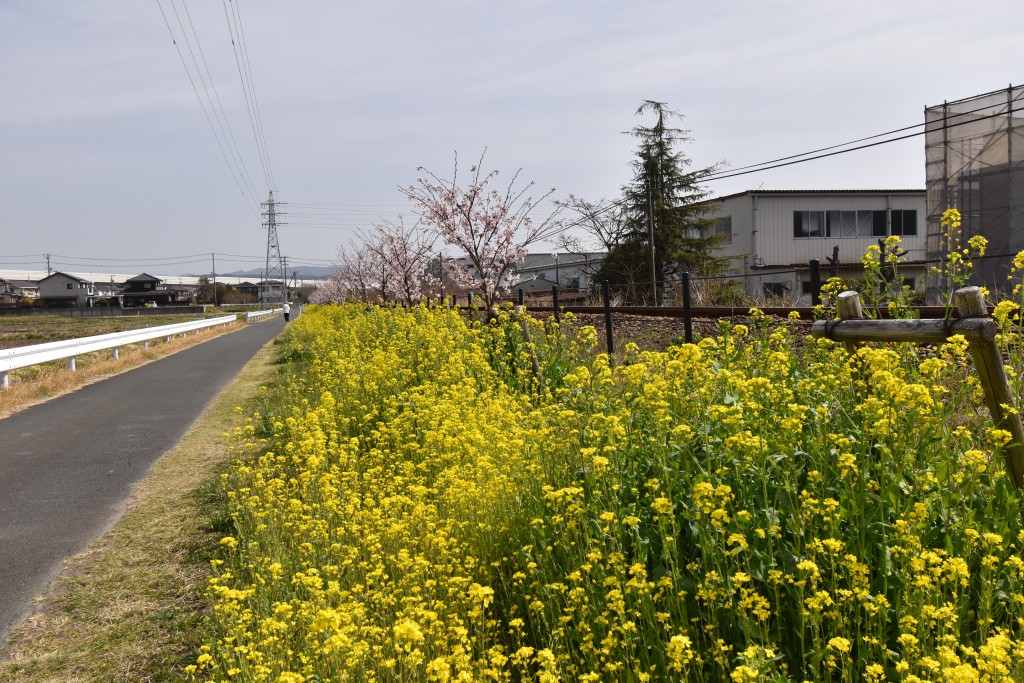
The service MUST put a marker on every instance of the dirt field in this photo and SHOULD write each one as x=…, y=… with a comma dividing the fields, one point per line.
x=24, y=330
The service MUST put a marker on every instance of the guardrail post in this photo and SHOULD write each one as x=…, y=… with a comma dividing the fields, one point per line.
x=687, y=311
x=998, y=395
x=114, y=354
x=71, y=363
x=5, y=383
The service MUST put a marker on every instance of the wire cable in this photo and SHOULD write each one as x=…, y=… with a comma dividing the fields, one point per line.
x=244, y=171
x=206, y=114
x=946, y=125
x=853, y=142
x=244, y=75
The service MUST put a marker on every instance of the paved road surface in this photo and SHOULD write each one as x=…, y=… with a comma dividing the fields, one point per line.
x=67, y=466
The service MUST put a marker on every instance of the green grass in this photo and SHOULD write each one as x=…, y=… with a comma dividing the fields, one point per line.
x=129, y=608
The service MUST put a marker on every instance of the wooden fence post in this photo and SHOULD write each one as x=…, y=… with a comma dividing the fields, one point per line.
x=848, y=304
x=687, y=309
x=815, y=282
x=534, y=362
x=974, y=325
x=609, y=340
x=998, y=395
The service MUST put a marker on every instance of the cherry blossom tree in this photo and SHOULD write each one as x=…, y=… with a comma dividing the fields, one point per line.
x=492, y=227
x=358, y=277
x=405, y=254
x=361, y=271
x=330, y=291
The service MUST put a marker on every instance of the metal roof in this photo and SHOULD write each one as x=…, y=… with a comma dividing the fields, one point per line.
x=920, y=191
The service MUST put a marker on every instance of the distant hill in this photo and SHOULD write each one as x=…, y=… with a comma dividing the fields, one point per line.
x=305, y=273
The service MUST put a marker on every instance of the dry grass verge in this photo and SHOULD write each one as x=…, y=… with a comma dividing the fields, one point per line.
x=39, y=383
x=129, y=608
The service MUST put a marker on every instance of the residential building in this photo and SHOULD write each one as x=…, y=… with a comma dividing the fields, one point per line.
x=542, y=271
x=20, y=289
x=7, y=294
x=770, y=236
x=62, y=290
x=272, y=291
x=249, y=289
x=146, y=290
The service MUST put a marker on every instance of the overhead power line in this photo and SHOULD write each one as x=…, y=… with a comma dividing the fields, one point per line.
x=220, y=107
x=241, y=52
x=853, y=142
x=250, y=201
x=815, y=155
x=767, y=165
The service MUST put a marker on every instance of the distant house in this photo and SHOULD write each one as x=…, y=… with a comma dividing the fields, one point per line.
x=7, y=295
x=537, y=285
x=146, y=289
x=20, y=289
x=61, y=290
x=272, y=290
x=571, y=272
x=248, y=288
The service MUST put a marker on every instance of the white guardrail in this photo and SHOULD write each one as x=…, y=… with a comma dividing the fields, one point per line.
x=24, y=356
x=253, y=315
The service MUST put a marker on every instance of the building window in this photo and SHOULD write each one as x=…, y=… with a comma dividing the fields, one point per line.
x=774, y=288
x=723, y=227
x=70, y=286
x=854, y=224
x=809, y=224
x=904, y=221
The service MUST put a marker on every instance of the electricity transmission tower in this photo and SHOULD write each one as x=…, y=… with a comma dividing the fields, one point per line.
x=274, y=261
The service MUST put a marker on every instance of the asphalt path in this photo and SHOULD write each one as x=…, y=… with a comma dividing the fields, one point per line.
x=67, y=466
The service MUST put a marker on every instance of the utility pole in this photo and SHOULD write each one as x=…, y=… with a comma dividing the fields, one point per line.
x=284, y=278
x=48, y=271
x=213, y=259
x=650, y=237
x=274, y=260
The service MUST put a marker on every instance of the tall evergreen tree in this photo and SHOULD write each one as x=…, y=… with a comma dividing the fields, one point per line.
x=664, y=198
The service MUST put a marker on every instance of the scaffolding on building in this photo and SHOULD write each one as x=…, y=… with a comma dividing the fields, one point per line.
x=974, y=156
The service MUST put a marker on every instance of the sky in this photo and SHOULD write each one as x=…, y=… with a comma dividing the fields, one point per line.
x=108, y=162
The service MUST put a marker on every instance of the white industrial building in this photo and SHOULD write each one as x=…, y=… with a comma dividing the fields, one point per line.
x=770, y=236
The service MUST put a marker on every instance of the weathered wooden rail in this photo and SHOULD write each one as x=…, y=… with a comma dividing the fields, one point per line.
x=974, y=324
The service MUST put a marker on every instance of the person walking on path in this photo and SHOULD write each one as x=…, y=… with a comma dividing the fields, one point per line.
x=287, y=309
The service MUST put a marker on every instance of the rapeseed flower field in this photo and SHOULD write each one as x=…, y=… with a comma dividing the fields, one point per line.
x=414, y=503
